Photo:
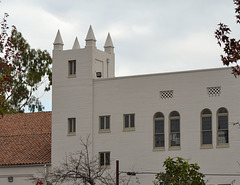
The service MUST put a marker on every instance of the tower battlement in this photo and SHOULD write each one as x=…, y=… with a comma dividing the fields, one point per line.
x=90, y=42
x=102, y=62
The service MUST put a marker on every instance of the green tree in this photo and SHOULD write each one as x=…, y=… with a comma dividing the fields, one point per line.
x=22, y=71
x=179, y=172
x=231, y=46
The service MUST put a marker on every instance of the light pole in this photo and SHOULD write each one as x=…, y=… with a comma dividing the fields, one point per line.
x=117, y=172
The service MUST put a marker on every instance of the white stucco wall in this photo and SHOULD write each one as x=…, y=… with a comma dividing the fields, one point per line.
x=141, y=95
x=21, y=174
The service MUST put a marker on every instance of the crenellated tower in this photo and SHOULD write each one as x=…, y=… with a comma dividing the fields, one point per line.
x=74, y=73
x=102, y=61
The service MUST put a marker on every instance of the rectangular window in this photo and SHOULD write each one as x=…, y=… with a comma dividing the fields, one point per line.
x=71, y=126
x=104, y=159
x=129, y=122
x=72, y=67
x=104, y=124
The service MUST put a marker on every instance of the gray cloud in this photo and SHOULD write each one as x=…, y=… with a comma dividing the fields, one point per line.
x=149, y=36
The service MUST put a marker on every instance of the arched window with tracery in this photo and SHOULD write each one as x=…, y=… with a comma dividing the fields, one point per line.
x=206, y=127
x=158, y=125
x=222, y=127
x=174, y=129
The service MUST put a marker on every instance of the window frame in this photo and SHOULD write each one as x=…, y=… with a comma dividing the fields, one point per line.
x=108, y=165
x=72, y=132
x=154, y=131
x=105, y=129
x=219, y=145
x=129, y=128
x=72, y=68
x=201, y=127
x=169, y=134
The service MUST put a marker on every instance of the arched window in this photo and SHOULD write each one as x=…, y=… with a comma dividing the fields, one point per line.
x=206, y=127
x=158, y=121
x=174, y=127
x=222, y=126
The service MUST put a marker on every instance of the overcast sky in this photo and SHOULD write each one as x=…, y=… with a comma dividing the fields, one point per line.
x=150, y=36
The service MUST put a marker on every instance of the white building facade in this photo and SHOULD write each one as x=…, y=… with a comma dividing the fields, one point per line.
x=141, y=120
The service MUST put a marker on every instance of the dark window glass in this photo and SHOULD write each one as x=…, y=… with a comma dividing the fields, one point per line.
x=70, y=63
x=206, y=111
x=159, y=126
x=72, y=67
x=222, y=110
x=174, y=114
x=102, y=159
x=74, y=125
x=222, y=122
x=102, y=122
x=107, y=158
x=175, y=125
x=159, y=115
x=159, y=140
x=132, y=120
x=206, y=123
x=71, y=125
x=207, y=137
x=126, y=121
x=107, y=122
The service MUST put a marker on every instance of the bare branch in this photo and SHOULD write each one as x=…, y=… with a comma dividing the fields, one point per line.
x=84, y=169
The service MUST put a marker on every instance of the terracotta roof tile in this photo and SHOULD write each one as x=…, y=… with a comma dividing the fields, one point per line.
x=25, y=138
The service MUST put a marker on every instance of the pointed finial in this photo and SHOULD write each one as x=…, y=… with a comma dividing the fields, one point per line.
x=108, y=44
x=76, y=44
x=90, y=39
x=90, y=34
x=58, y=43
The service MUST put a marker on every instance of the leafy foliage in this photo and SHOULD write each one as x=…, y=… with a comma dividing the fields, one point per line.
x=231, y=46
x=179, y=172
x=22, y=71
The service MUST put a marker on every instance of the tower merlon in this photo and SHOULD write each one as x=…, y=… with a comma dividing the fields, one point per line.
x=76, y=44
x=90, y=39
x=108, y=47
x=58, y=43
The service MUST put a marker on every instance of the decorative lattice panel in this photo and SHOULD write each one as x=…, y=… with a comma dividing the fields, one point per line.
x=166, y=94
x=214, y=91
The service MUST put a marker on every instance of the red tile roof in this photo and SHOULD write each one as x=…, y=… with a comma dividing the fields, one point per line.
x=25, y=138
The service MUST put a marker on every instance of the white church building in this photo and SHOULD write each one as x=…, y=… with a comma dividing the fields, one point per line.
x=141, y=120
